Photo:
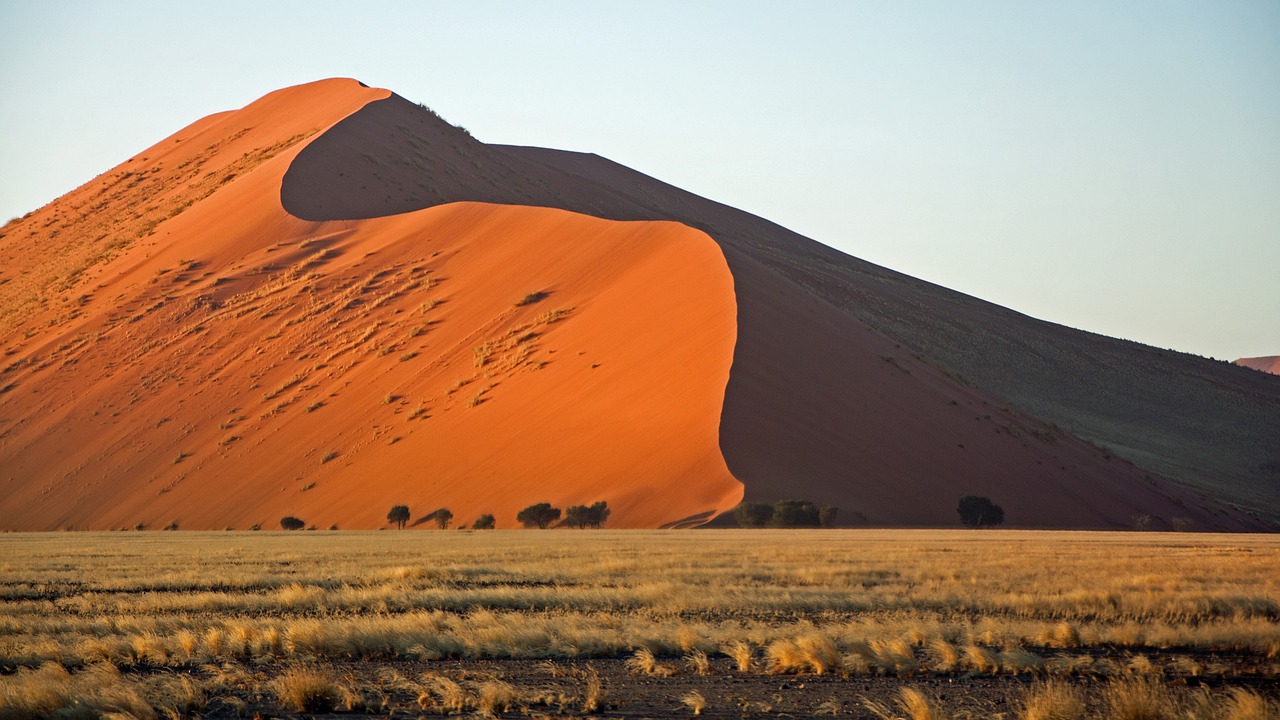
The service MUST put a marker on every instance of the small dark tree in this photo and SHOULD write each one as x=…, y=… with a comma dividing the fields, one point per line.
x=827, y=516
x=581, y=516
x=398, y=516
x=978, y=511
x=442, y=517
x=795, y=513
x=539, y=516
x=600, y=512
x=484, y=522
x=289, y=522
x=753, y=514
x=575, y=516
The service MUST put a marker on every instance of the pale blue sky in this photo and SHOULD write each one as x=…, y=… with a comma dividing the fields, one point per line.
x=1112, y=166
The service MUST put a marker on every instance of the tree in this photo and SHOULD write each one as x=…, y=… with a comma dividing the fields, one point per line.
x=442, y=517
x=581, y=516
x=795, y=513
x=289, y=522
x=398, y=516
x=484, y=522
x=539, y=516
x=753, y=514
x=827, y=516
x=978, y=511
x=600, y=512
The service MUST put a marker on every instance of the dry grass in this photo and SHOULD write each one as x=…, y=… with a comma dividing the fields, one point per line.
x=308, y=689
x=1053, y=701
x=911, y=705
x=694, y=701
x=905, y=603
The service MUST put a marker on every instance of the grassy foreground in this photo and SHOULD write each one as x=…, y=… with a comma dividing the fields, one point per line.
x=224, y=624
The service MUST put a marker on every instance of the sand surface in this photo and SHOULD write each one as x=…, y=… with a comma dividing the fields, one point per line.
x=310, y=306
x=1270, y=364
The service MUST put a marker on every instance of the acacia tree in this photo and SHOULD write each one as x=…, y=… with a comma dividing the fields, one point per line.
x=540, y=516
x=978, y=511
x=289, y=522
x=753, y=514
x=795, y=513
x=443, y=517
x=484, y=522
x=581, y=516
x=398, y=516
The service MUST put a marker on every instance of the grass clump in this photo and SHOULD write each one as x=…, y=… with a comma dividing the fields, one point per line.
x=1052, y=701
x=308, y=689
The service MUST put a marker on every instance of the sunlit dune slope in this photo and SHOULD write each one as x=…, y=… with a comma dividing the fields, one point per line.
x=1270, y=364
x=238, y=364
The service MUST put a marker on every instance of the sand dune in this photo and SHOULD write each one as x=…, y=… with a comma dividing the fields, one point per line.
x=1270, y=364
x=332, y=301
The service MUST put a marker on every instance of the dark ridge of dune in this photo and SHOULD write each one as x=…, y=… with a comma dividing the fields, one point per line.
x=819, y=404
x=1267, y=364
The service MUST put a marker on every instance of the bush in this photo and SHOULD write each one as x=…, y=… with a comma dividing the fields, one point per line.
x=289, y=522
x=484, y=522
x=753, y=514
x=398, y=516
x=442, y=517
x=539, y=516
x=581, y=516
x=795, y=513
x=977, y=511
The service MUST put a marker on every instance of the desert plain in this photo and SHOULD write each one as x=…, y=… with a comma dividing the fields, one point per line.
x=567, y=623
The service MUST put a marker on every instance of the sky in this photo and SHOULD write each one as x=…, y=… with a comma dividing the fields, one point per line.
x=1109, y=166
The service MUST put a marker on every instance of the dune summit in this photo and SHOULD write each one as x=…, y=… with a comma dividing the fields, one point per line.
x=332, y=301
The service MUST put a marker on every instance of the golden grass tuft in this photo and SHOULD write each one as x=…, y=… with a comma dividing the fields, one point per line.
x=1244, y=704
x=308, y=689
x=1139, y=699
x=943, y=656
x=981, y=659
x=642, y=662
x=495, y=697
x=911, y=703
x=698, y=662
x=1053, y=701
x=694, y=701
x=742, y=653
x=813, y=652
x=50, y=691
x=594, y=697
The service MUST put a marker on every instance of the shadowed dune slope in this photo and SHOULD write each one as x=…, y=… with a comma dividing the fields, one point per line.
x=820, y=404
x=232, y=364
x=1270, y=364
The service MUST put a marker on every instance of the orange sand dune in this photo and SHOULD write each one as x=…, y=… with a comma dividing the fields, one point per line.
x=1269, y=364
x=332, y=301
x=239, y=364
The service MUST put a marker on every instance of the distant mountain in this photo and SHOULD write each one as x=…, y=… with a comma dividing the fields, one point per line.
x=332, y=301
